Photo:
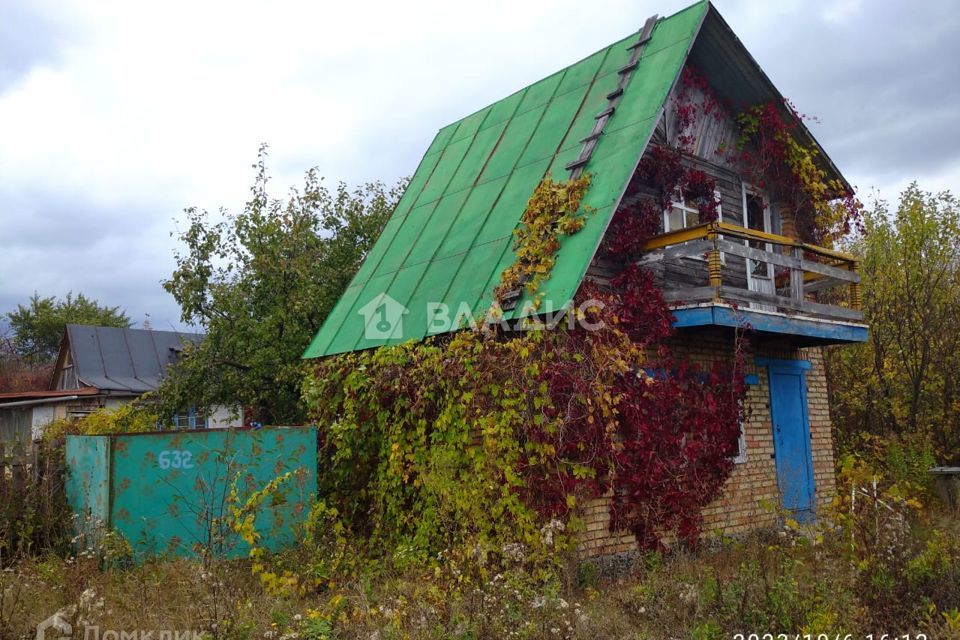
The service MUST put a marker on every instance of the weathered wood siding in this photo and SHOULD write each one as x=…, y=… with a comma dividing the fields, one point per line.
x=713, y=141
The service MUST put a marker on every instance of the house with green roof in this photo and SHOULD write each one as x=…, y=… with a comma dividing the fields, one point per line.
x=756, y=262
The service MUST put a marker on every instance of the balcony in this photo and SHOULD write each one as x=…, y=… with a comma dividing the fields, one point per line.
x=722, y=274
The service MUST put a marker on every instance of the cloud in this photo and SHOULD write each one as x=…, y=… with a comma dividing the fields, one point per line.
x=115, y=116
x=878, y=76
x=28, y=37
x=65, y=244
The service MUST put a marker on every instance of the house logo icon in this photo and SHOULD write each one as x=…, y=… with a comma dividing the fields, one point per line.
x=383, y=318
x=61, y=628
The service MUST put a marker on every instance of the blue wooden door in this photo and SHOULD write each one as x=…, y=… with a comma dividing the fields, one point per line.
x=791, y=437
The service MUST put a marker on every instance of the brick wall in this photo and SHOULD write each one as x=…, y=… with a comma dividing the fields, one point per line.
x=750, y=495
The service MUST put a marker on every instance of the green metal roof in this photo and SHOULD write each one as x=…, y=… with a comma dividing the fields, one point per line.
x=451, y=234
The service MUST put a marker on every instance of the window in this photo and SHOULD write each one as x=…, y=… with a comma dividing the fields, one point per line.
x=15, y=429
x=190, y=418
x=757, y=217
x=683, y=214
x=680, y=216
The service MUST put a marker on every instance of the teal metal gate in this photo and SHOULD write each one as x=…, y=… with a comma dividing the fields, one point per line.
x=170, y=493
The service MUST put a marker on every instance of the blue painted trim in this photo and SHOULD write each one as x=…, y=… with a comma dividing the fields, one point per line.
x=784, y=365
x=808, y=327
x=660, y=374
x=694, y=317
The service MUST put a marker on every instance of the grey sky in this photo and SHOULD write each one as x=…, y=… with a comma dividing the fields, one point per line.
x=116, y=116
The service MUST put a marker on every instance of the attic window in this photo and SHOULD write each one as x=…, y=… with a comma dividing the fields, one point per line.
x=68, y=378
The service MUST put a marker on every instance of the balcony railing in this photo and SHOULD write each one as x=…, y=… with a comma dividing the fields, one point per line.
x=798, y=278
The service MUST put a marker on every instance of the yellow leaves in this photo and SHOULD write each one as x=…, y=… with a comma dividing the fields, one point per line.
x=952, y=619
x=280, y=585
x=552, y=211
x=913, y=503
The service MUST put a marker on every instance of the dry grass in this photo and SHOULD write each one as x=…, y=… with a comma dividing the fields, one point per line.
x=771, y=582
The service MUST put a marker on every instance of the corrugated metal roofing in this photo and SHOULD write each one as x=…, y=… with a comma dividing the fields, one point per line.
x=13, y=396
x=124, y=360
x=451, y=235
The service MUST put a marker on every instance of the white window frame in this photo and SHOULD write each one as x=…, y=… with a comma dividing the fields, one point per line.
x=679, y=202
x=752, y=190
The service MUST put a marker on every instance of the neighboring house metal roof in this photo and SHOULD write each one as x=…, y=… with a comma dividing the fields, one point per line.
x=37, y=397
x=46, y=394
x=124, y=360
x=451, y=235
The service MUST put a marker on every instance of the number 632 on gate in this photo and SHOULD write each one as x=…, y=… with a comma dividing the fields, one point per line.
x=175, y=459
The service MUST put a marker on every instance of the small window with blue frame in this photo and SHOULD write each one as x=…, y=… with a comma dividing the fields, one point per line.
x=190, y=418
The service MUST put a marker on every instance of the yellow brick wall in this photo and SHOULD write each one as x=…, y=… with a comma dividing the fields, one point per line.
x=752, y=488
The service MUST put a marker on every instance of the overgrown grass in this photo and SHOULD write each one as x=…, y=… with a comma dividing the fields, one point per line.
x=884, y=560
x=788, y=581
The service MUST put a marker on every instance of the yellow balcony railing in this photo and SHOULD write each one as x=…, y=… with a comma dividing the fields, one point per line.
x=803, y=278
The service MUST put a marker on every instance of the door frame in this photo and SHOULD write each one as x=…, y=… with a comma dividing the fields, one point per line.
x=794, y=367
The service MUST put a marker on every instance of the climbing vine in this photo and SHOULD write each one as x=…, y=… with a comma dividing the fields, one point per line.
x=552, y=211
x=770, y=155
x=492, y=438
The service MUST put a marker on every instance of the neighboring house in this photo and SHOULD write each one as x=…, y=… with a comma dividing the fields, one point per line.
x=451, y=235
x=103, y=367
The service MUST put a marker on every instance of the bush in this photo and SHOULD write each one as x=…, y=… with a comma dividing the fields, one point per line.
x=34, y=517
x=127, y=418
x=33, y=512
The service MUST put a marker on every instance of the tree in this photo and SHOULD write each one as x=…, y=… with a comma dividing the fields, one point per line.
x=38, y=327
x=17, y=375
x=902, y=383
x=260, y=283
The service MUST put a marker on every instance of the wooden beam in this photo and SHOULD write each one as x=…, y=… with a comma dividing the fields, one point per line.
x=727, y=229
x=822, y=283
x=796, y=276
x=695, y=248
x=693, y=294
x=676, y=237
x=752, y=234
x=762, y=236
x=790, y=262
x=804, y=306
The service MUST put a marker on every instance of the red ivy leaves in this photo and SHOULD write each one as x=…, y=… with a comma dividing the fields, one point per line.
x=768, y=157
x=694, y=99
x=700, y=189
x=663, y=169
x=640, y=308
x=630, y=229
x=666, y=451
x=679, y=431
